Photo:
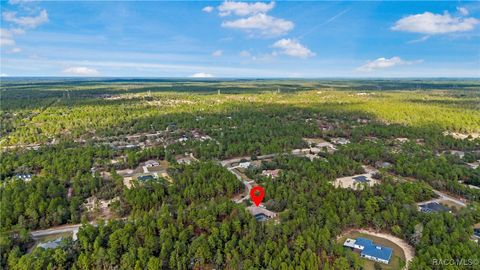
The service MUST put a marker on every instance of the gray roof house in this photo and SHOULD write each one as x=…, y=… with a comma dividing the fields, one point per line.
x=432, y=207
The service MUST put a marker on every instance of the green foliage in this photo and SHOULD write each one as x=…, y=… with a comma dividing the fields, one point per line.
x=192, y=222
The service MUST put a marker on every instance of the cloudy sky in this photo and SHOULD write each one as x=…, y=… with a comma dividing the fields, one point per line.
x=240, y=39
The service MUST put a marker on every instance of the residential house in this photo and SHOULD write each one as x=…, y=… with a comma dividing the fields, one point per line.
x=402, y=140
x=185, y=158
x=244, y=165
x=341, y=141
x=457, y=153
x=476, y=232
x=144, y=178
x=51, y=244
x=151, y=163
x=474, y=165
x=432, y=207
x=326, y=145
x=260, y=213
x=383, y=165
x=271, y=173
x=369, y=250
x=311, y=157
x=361, y=179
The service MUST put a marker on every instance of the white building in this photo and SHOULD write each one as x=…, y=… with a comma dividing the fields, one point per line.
x=151, y=163
x=341, y=141
x=245, y=165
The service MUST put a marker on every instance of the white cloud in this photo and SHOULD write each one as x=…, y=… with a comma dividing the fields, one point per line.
x=217, y=53
x=383, y=63
x=462, y=10
x=4, y=42
x=432, y=24
x=17, y=31
x=82, y=71
x=245, y=53
x=207, y=9
x=25, y=21
x=261, y=25
x=3, y=75
x=201, y=75
x=244, y=9
x=15, y=50
x=293, y=48
x=6, y=38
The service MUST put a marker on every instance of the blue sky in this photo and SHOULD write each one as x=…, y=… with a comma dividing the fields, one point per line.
x=240, y=39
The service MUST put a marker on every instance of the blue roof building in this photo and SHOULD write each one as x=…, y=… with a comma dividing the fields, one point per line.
x=363, y=242
x=377, y=253
x=144, y=178
x=361, y=179
x=369, y=250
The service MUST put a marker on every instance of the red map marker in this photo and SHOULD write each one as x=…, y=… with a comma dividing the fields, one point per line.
x=256, y=194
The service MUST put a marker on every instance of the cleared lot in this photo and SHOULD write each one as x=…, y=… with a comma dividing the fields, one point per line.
x=357, y=181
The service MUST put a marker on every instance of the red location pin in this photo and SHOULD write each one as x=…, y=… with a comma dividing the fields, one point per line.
x=256, y=194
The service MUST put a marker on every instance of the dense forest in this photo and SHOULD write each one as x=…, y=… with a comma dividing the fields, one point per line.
x=193, y=223
x=72, y=137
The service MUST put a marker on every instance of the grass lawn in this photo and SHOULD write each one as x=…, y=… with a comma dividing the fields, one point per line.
x=398, y=258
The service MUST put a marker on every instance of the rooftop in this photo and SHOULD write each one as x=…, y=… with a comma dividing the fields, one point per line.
x=379, y=252
x=433, y=207
x=363, y=242
x=369, y=249
x=151, y=163
x=260, y=212
x=145, y=178
x=50, y=244
x=361, y=178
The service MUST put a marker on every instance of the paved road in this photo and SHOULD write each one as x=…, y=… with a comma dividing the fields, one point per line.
x=56, y=230
x=450, y=198
x=248, y=183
